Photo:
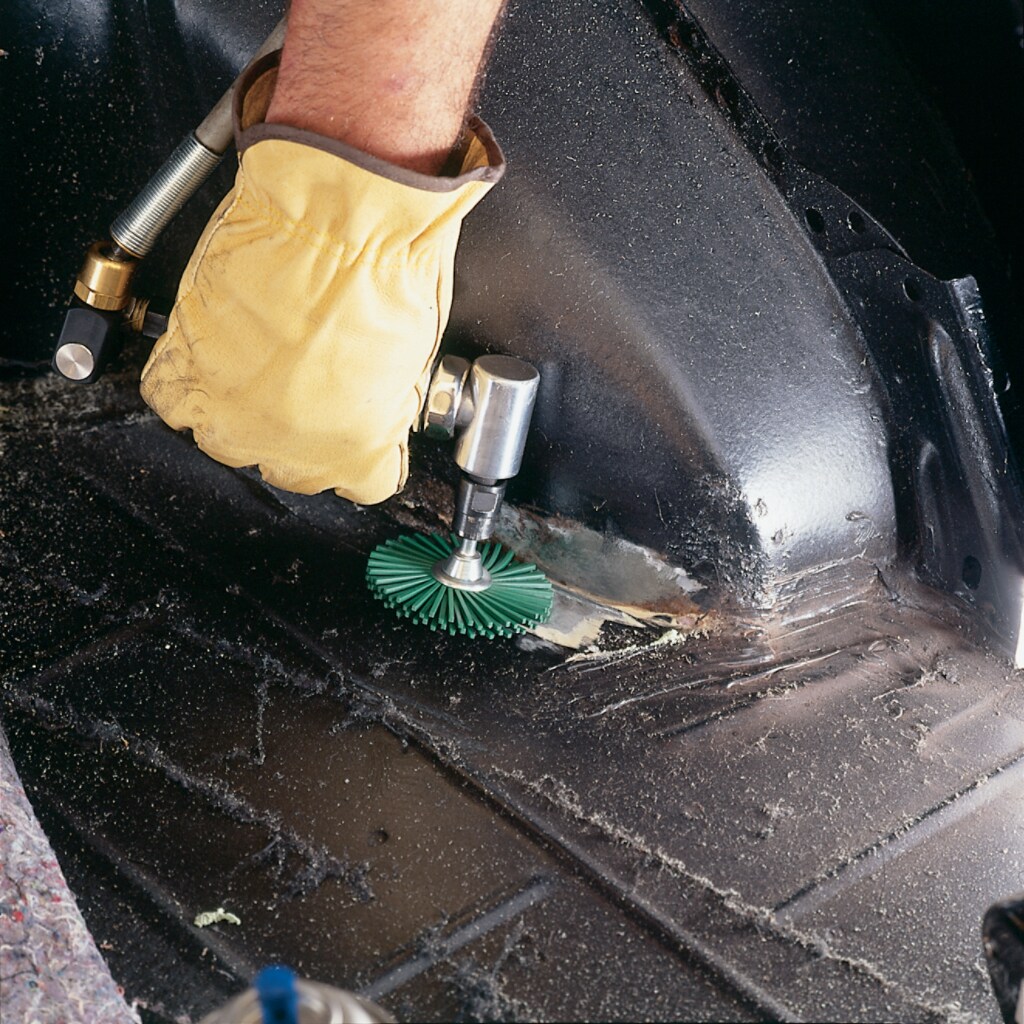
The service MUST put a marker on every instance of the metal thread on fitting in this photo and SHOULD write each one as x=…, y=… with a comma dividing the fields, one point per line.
x=135, y=315
x=445, y=407
x=139, y=226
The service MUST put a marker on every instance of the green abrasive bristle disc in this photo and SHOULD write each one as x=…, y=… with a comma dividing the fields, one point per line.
x=400, y=574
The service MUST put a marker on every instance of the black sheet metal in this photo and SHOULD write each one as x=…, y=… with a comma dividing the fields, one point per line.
x=797, y=807
x=719, y=384
x=800, y=823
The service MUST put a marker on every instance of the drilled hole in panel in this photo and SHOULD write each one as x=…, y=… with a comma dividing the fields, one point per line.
x=912, y=290
x=971, y=572
x=815, y=221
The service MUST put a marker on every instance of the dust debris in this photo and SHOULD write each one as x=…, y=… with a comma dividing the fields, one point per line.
x=479, y=990
x=763, y=919
x=596, y=657
x=301, y=866
x=776, y=813
x=218, y=916
x=315, y=866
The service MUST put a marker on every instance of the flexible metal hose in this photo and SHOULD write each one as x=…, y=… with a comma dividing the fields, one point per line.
x=138, y=227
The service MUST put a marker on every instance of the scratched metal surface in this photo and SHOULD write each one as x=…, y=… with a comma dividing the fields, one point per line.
x=802, y=821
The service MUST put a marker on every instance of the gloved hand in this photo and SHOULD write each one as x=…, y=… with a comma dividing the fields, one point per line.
x=309, y=317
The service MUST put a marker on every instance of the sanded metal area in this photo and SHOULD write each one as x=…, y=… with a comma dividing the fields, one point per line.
x=209, y=710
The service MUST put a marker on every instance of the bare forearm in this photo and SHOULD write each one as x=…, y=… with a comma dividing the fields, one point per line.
x=391, y=77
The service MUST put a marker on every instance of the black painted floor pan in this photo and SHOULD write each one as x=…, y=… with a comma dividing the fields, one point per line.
x=209, y=710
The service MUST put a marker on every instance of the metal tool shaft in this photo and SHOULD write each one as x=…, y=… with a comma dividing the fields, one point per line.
x=463, y=569
x=496, y=400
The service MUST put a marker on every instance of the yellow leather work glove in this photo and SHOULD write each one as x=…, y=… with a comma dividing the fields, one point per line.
x=309, y=317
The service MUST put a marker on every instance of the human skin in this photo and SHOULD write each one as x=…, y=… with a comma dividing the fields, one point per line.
x=393, y=78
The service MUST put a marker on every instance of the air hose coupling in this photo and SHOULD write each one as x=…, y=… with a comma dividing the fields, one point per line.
x=105, y=280
x=101, y=310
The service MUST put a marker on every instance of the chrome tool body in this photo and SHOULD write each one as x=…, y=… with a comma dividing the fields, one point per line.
x=468, y=584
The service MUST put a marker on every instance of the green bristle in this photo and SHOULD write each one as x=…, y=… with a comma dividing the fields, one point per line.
x=400, y=574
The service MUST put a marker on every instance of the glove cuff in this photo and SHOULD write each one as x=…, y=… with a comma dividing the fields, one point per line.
x=481, y=158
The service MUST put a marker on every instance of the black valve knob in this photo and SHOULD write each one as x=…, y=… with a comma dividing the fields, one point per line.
x=88, y=341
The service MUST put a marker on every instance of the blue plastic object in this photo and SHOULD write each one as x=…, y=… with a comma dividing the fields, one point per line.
x=279, y=998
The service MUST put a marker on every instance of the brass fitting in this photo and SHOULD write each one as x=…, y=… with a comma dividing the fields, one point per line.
x=103, y=282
